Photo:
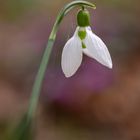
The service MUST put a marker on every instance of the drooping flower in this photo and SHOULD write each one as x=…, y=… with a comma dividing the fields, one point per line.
x=84, y=41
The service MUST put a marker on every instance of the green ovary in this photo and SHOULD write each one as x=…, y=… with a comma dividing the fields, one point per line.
x=83, y=18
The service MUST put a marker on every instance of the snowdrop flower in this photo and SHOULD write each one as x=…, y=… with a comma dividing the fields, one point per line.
x=84, y=41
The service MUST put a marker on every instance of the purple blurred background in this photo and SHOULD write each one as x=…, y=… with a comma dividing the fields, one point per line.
x=96, y=103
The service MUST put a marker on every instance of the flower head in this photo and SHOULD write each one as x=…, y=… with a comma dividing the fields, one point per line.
x=84, y=41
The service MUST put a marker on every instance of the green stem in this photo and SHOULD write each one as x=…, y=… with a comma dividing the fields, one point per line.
x=44, y=63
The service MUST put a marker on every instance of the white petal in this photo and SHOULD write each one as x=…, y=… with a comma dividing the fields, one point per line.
x=95, y=48
x=71, y=56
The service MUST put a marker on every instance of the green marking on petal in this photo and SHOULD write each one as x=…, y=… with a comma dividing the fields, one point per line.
x=83, y=45
x=82, y=34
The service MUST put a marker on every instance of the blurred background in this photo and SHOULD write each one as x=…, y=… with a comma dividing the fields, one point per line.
x=96, y=103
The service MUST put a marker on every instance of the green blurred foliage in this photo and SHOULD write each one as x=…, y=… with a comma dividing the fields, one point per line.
x=11, y=9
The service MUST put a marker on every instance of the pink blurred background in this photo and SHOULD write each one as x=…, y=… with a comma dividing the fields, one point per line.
x=96, y=103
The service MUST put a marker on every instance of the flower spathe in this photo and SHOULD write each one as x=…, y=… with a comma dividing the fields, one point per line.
x=91, y=45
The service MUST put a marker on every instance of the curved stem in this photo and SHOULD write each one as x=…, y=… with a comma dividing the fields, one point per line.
x=45, y=59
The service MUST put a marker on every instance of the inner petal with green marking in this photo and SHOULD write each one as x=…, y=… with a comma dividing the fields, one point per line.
x=82, y=34
x=83, y=45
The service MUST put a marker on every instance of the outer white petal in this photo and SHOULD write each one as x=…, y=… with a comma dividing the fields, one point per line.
x=95, y=48
x=71, y=56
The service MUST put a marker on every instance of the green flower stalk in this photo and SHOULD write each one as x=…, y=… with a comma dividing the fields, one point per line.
x=25, y=125
x=44, y=63
x=84, y=41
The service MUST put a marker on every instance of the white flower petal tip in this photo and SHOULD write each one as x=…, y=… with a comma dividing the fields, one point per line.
x=71, y=56
x=110, y=65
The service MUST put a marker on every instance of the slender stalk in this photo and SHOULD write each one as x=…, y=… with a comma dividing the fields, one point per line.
x=39, y=79
x=45, y=59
